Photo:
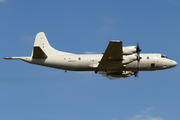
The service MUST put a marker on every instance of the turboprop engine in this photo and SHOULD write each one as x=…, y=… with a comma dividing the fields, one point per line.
x=129, y=50
x=129, y=58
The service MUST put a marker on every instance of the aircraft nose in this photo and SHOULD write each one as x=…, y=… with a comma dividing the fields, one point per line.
x=173, y=63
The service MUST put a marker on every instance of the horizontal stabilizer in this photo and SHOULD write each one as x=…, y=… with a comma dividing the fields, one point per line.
x=38, y=53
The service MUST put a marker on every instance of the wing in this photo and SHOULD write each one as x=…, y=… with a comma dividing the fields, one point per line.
x=108, y=76
x=116, y=75
x=112, y=57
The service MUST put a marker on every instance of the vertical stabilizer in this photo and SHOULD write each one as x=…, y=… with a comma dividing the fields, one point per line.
x=42, y=48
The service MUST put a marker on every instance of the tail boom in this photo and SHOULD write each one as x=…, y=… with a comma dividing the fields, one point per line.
x=19, y=58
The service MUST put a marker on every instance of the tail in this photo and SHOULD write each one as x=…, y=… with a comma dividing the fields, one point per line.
x=42, y=48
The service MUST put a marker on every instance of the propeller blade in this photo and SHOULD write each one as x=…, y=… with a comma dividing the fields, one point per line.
x=136, y=75
x=137, y=48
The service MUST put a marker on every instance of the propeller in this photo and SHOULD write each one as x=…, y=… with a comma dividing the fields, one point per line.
x=138, y=61
x=138, y=56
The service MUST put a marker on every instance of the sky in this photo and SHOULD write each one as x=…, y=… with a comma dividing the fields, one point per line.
x=31, y=92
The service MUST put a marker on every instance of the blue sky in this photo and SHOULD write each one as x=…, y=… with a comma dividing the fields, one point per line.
x=34, y=92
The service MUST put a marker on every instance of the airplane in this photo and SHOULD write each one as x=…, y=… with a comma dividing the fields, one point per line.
x=116, y=62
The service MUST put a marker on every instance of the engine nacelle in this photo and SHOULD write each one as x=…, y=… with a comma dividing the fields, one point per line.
x=129, y=58
x=129, y=50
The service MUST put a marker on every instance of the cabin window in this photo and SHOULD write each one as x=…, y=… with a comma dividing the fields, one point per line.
x=148, y=57
x=79, y=58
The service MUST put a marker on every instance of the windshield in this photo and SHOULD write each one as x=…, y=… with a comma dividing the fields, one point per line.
x=163, y=56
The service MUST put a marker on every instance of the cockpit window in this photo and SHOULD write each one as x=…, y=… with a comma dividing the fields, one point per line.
x=163, y=56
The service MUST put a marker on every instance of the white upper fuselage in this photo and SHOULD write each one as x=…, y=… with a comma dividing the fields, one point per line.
x=89, y=62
